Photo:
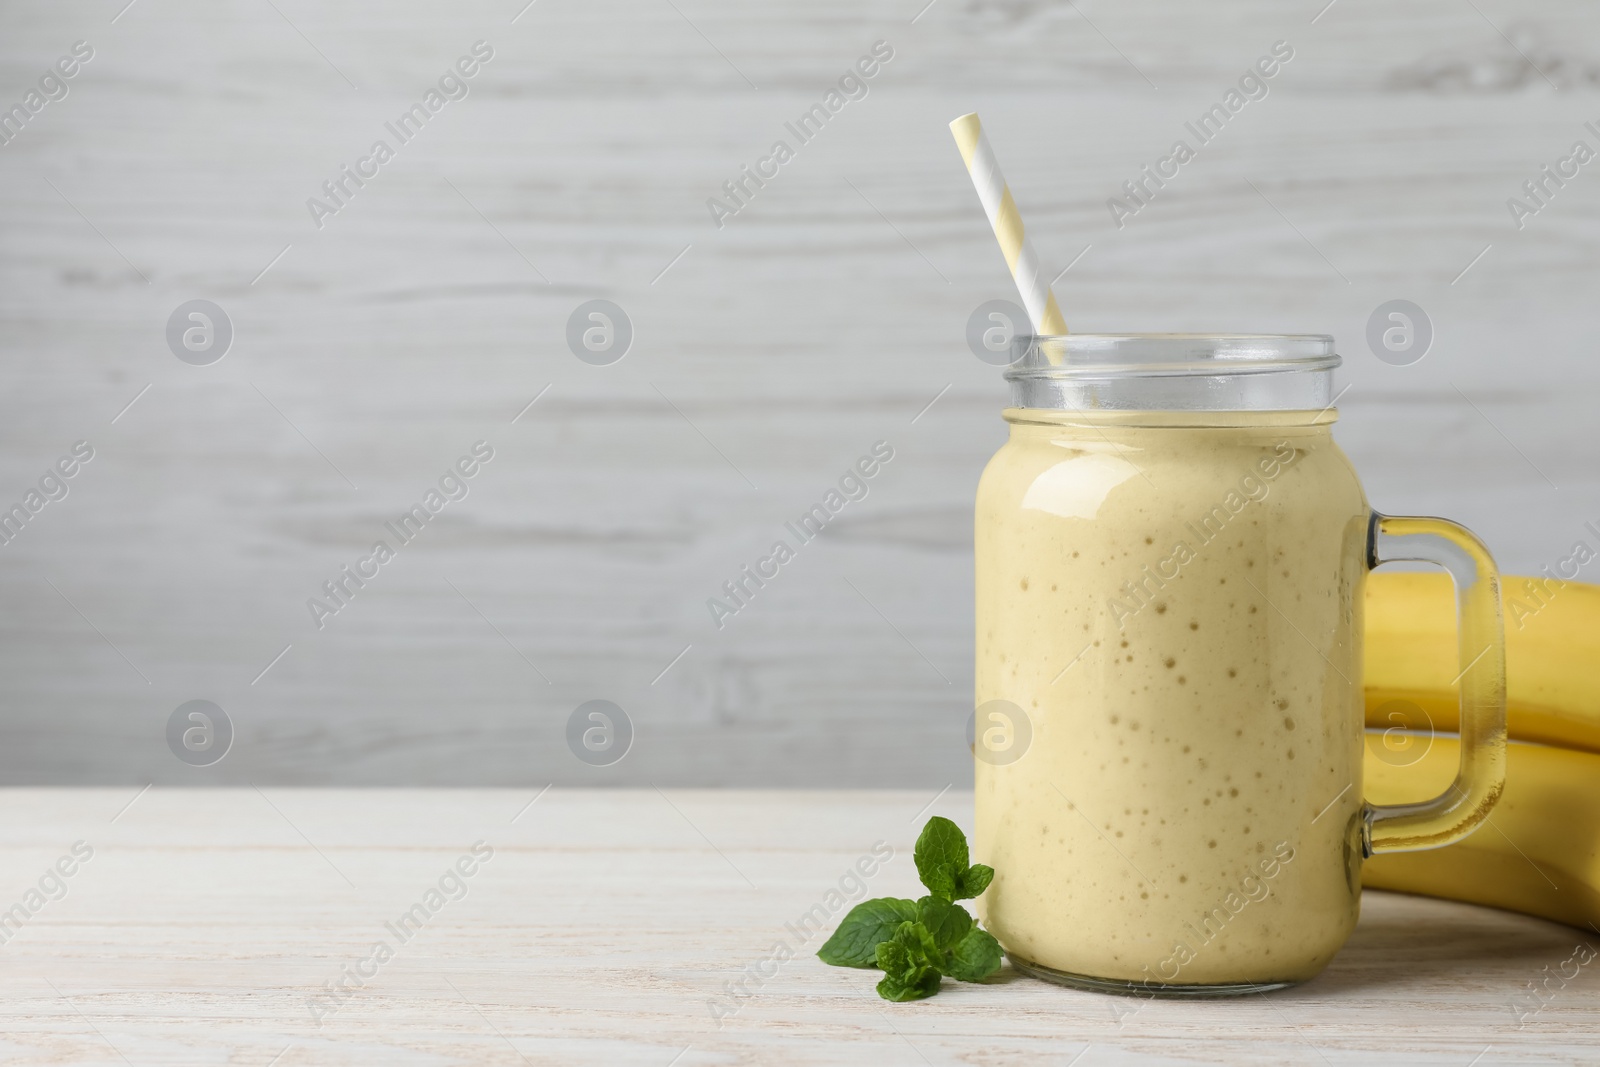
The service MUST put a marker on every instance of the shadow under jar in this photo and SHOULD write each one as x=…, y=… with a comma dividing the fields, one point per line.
x=1171, y=552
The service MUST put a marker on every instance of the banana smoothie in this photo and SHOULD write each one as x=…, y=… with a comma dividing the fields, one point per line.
x=1170, y=600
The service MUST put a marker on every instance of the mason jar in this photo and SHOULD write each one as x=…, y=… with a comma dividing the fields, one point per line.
x=1168, y=731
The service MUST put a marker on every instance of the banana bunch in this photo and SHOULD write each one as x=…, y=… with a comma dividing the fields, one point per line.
x=1540, y=851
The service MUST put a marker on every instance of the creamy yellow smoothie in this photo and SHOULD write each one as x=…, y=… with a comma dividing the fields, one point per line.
x=1171, y=600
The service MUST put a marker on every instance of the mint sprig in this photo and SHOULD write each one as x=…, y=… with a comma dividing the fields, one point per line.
x=918, y=943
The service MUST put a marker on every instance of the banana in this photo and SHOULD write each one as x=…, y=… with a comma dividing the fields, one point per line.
x=1552, y=656
x=1539, y=853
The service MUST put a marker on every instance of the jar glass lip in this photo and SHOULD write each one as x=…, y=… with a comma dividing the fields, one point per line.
x=1115, y=355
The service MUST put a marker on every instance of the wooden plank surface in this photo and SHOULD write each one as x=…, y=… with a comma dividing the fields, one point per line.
x=605, y=926
x=826, y=315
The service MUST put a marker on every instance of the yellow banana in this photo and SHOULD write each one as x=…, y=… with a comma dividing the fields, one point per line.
x=1539, y=853
x=1552, y=656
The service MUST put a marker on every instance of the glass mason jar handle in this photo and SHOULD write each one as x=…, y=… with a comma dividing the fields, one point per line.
x=1481, y=777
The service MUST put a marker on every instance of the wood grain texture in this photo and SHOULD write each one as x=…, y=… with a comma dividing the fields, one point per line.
x=825, y=316
x=607, y=922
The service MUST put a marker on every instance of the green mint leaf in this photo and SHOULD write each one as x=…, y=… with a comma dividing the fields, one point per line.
x=917, y=985
x=911, y=946
x=918, y=940
x=893, y=958
x=975, y=957
x=911, y=964
x=973, y=881
x=902, y=979
x=948, y=923
x=941, y=856
x=855, y=942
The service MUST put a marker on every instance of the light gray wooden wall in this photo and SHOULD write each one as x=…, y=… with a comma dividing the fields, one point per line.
x=825, y=316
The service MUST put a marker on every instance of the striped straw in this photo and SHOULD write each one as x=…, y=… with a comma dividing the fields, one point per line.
x=1007, y=222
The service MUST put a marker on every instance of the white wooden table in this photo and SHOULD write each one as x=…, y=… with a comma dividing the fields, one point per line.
x=604, y=925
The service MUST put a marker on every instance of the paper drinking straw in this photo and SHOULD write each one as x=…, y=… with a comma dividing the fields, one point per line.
x=1037, y=298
